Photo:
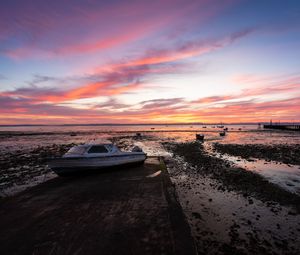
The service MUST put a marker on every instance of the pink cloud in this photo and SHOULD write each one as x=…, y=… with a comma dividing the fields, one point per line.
x=126, y=76
x=273, y=85
x=41, y=29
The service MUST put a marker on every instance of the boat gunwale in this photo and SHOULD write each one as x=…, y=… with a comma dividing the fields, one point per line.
x=100, y=156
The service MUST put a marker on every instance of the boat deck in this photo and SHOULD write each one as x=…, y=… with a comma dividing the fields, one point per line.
x=128, y=211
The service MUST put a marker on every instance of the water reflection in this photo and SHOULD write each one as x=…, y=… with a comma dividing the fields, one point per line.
x=285, y=175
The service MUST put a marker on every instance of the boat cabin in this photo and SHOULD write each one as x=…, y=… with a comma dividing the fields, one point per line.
x=91, y=150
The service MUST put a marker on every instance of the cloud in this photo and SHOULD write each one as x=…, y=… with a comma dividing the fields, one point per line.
x=122, y=77
x=212, y=99
x=269, y=85
x=161, y=103
x=111, y=104
x=187, y=50
x=52, y=96
x=31, y=29
x=240, y=34
x=249, y=105
x=161, y=110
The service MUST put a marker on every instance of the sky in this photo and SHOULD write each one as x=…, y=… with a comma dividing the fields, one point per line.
x=166, y=61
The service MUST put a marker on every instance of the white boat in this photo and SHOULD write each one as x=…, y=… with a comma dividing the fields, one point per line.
x=94, y=156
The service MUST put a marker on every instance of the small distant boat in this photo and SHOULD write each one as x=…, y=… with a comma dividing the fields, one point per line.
x=223, y=133
x=204, y=127
x=220, y=126
x=225, y=129
x=95, y=156
x=199, y=137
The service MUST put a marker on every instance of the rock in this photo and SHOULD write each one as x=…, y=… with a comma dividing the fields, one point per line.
x=196, y=215
x=292, y=212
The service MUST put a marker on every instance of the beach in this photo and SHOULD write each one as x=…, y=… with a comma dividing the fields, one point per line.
x=240, y=194
x=150, y=127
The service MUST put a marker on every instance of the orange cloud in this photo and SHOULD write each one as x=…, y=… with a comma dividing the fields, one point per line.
x=162, y=110
x=125, y=76
x=170, y=56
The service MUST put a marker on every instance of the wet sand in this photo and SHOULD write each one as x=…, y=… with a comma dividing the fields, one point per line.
x=24, y=168
x=229, y=218
x=227, y=214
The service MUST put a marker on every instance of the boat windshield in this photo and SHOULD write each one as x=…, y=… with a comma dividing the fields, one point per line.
x=98, y=149
x=77, y=150
x=110, y=147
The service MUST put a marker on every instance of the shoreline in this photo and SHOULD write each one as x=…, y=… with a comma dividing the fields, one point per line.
x=77, y=133
x=248, y=183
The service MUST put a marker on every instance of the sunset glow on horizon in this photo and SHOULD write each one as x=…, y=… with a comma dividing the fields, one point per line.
x=79, y=62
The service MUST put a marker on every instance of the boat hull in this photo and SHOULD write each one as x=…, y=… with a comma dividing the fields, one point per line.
x=67, y=166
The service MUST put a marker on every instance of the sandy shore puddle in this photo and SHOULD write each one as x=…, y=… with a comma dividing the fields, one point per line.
x=286, y=176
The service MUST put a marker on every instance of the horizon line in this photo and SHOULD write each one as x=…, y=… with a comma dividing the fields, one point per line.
x=149, y=124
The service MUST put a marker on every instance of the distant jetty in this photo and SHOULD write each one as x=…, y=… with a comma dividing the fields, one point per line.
x=283, y=127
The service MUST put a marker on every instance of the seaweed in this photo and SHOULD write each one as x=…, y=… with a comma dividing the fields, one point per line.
x=288, y=154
